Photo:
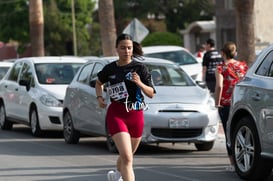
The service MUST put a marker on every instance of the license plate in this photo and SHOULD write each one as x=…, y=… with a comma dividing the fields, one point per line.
x=179, y=123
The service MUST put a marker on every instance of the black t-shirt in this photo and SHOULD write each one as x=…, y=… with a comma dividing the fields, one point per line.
x=211, y=59
x=116, y=74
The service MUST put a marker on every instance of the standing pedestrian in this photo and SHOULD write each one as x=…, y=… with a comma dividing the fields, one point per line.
x=227, y=75
x=128, y=79
x=201, y=51
x=210, y=60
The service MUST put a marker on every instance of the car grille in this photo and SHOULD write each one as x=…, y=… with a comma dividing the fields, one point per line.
x=176, y=133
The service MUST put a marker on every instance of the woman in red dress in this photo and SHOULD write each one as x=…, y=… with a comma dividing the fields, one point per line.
x=227, y=74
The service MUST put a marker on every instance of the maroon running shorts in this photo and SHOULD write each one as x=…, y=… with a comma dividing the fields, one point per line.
x=119, y=120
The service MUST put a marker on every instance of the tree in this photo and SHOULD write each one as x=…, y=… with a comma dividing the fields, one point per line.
x=162, y=38
x=59, y=29
x=184, y=12
x=58, y=33
x=13, y=23
x=177, y=13
x=245, y=30
x=36, y=19
x=108, y=28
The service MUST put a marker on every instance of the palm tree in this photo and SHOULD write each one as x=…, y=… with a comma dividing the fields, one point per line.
x=36, y=21
x=107, y=27
x=245, y=30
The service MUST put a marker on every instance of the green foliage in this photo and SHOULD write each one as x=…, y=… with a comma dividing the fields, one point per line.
x=134, y=8
x=186, y=12
x=14, y=24
x=178, y=13
x=58, y=30
x=95, y=40
x=162, y=38
x=126, y=10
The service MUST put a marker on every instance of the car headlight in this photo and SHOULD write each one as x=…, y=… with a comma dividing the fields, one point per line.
x=50, y=101
x=211, y=103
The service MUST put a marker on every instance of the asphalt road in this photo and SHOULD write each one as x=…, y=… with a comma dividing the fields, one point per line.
x=26, y=158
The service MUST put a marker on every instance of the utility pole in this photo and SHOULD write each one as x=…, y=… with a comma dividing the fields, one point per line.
x=74, y=28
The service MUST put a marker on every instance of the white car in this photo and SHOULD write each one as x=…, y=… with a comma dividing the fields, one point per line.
x=181, y=110
x=33, y=90
x=179, y=55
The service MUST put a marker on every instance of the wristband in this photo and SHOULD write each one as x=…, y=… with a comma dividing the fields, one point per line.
x=99, y=97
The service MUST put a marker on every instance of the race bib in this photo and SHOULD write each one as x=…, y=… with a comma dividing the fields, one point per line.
x=117, y=91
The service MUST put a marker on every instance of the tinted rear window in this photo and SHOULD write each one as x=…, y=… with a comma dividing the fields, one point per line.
x=180, y=57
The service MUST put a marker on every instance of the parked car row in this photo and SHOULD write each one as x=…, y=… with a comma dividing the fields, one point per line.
x=38, y=92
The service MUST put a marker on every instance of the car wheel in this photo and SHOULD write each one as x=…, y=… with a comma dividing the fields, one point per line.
x=246, y=151
x=71, y=135
x=34, y=123
x=204, y=146
x=4, y=122
x=110, y=143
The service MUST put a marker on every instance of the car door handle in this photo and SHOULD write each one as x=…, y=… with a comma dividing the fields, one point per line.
x=256, y=96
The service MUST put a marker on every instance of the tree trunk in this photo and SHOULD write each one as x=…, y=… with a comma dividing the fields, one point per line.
x=107, y=27
x=36, y=21
x=245, y=30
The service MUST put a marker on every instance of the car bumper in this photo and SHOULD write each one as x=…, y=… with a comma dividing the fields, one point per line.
x=199, y=127
x=50, y=118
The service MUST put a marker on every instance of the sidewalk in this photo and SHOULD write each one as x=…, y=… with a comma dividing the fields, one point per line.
x=221, y=129
x=221, y=133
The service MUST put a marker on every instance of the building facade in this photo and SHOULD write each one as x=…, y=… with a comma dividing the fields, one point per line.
x=226, y=22
x=223, y=27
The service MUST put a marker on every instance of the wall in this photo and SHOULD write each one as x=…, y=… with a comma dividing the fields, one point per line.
x=263, y=23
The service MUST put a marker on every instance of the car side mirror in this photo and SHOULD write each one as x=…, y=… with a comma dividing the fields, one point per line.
x=92, y=83
x=201, y=84
x=25, y=83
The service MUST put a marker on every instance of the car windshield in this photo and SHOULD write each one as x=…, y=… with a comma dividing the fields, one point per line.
x=56, y=73
x=3, y=71
x=169, y=75
x=180, y=57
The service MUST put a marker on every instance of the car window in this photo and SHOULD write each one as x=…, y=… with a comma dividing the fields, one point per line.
x=169, y=75
x=3, y=71
x=97, y=68
x=180, y=57
x=14, y=72
x=85, y=72
x=26, y=73
x=266, y=67
x=56, y=73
